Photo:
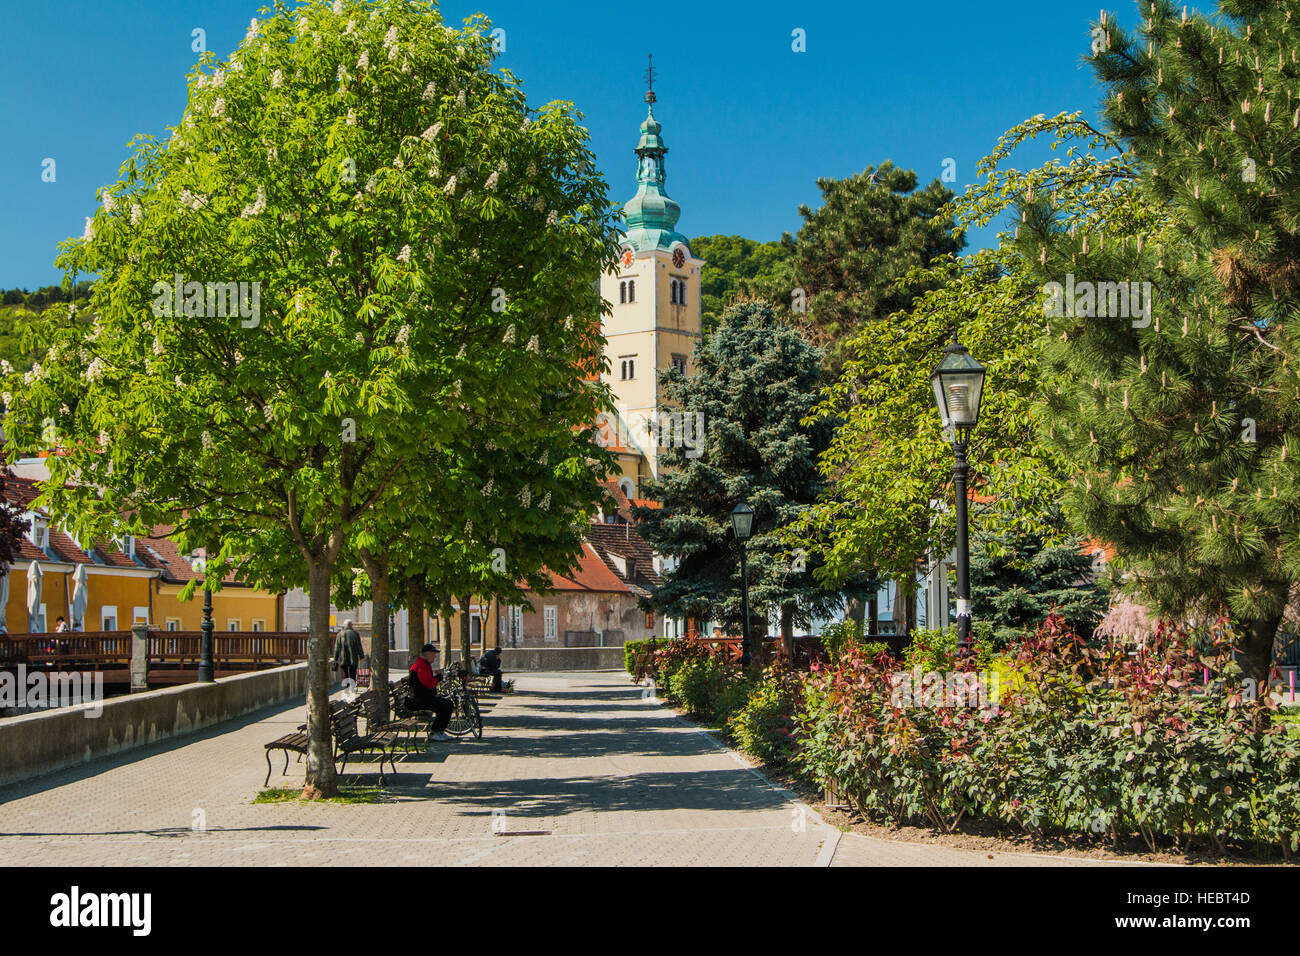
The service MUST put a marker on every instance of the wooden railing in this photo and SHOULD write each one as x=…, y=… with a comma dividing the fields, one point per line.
x=256, y=648
x=100, y=650
x=94, y=647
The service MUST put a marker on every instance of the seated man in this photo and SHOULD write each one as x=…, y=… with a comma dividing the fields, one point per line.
x=490, y=663
x=424, y=691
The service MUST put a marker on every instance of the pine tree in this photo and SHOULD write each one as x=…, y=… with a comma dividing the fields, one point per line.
x=1018, y=579
x=846, y=261
x=757, y=379
x=1181, y=421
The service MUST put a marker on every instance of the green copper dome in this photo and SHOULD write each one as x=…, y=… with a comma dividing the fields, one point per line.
x=651, y=216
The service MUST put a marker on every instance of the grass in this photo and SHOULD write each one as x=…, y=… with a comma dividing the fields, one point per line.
x=346, y=795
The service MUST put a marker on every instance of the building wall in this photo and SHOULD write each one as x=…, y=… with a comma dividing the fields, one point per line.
x=243, y=605
x=615, y=617
x=124, y=591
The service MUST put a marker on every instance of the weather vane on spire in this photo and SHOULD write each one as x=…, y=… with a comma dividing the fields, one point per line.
x=650, y=80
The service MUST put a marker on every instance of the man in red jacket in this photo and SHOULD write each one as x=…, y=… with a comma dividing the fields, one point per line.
x=424, y=691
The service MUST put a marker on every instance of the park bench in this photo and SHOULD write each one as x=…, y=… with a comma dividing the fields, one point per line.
x=409, y=726
x=347, y=741
x=295, y=743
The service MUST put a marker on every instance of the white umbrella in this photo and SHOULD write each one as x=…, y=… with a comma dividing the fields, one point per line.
x=34, y=623
x=80, y=594
x=4, y=598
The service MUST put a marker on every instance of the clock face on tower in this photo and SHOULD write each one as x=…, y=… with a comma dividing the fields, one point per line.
x=627, y=258
x=679, y=257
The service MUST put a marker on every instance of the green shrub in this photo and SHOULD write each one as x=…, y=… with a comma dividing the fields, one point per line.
x=709, y=689
x=1088, y=739
x=764, y=727
x=838, y=637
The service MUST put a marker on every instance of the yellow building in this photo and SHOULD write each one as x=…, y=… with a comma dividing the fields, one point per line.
x=128, y=581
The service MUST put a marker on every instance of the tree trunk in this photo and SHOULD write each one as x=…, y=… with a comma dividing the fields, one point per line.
x=871, y=625
x=856, y=610
x=377, y=570
x=465, y=652
x=321, y=780
x=905, y=607
x=787, y=632
x=1255, y=656
x=415, y=612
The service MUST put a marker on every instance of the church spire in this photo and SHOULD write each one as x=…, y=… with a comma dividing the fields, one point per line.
x=651, y=216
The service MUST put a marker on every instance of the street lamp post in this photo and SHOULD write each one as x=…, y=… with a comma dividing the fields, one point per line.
x=206, y=670
x=742, y=523
x=958, y=385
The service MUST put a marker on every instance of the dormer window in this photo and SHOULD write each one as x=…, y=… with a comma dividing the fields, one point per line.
x=128, y=546
x=39, y=533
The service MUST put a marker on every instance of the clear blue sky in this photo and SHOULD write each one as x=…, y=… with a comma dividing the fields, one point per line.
x=750, y=124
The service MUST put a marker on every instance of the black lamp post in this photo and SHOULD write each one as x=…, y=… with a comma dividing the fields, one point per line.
x=206, y=670
x=742, y=523
x=958, y=385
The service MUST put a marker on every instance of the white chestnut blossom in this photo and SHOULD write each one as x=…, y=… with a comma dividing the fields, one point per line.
x=89, y=232
x=258, y=206
x=405, y=254
x=430, y=134
x=447, y=190
x=277, y=79
x=109, y=202
x=137, y=214
x=533, y=345
x=430, y=91
x=333, y=259
x=363, y=61
x=492, y=181
x=95, y=370
x=509, y=337
x=206, y=439
x=552, y=218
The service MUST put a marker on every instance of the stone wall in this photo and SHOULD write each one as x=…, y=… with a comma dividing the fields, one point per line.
x=53, y=739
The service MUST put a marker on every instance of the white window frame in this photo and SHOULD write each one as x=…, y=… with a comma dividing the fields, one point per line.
x=550, y=623
x=258, y=625
x=627, y=368
x=235, y=621
x=173, y=623
x=107, y=612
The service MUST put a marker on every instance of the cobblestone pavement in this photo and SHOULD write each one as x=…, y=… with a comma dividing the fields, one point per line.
x=593, y=774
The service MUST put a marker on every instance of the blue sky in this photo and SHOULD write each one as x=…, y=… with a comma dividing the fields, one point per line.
x=750, y=123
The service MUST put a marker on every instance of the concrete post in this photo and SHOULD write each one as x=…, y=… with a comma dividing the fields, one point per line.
x=139, y=657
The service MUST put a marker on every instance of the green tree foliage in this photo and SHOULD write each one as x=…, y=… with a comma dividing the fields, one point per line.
x=891, y=462
x=1182, y=425
x=736, y=266
x=425, y=248
x=855, y=259
x=1017, y=579
x=756, y=382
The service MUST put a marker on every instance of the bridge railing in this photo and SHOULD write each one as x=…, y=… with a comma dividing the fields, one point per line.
x=240, y=650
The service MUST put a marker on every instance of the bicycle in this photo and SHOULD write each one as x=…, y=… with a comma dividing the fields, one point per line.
x=465, y=715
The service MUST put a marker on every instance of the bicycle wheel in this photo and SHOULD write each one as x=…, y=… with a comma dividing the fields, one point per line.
x=478, y=717
x=462, y=717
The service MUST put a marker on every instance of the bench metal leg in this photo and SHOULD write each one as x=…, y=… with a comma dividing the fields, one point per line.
x=267, y=782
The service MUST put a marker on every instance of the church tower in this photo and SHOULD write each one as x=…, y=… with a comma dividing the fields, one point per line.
x=656, y=312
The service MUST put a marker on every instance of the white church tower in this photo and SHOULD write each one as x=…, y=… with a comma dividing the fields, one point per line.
x=656, y=319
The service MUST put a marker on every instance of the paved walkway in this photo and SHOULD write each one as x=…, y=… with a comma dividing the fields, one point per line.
x=607, y=777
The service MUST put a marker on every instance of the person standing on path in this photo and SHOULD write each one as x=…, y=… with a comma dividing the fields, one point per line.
x=348, y=653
